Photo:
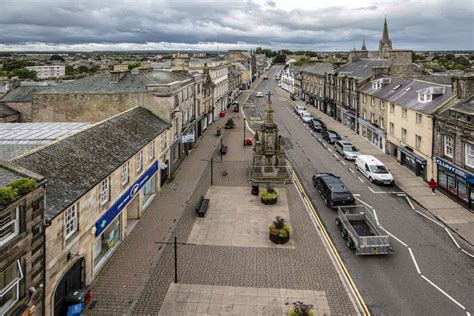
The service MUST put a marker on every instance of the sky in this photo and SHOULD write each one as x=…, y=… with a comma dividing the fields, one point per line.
x=319, y=25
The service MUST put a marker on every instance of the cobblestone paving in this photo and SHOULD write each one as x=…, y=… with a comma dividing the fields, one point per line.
x=192, y=299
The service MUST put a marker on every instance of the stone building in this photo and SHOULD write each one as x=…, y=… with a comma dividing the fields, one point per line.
x=385, y=44
x=100, y=182
x=454, y=142
x=287, y=79
x=313, y=83
x=235, y=81
x=48, y=71
x=8, y=115
x=21, y=245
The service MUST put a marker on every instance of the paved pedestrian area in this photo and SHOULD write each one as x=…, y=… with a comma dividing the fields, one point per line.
x=192, y=299
x=237, y=218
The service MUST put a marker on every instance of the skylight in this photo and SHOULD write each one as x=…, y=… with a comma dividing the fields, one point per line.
x=397, y=86
x=407, y=89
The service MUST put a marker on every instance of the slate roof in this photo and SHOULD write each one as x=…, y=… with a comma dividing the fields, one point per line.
x=318, y=68
x=7, y=175
x=103, y=83
x=7, y=111
x=78, y=163
x=361, y=68
x=465, y=106
x=23, y=93
x=10, y=172
x=406, y=95
x=446, y=80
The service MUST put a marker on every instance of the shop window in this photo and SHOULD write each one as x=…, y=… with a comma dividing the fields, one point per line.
x=463, y=190
x=151, y=151
x=417, y=141
x=419, y=118
x=404, y=134
x=104, y=191
x=469, y=155
x=10, y=286
x=448, y=146
x=139, y=161
x=149, y=189
x=9, y=225
x=70, y=221
x=124, y=176
x=106, y=242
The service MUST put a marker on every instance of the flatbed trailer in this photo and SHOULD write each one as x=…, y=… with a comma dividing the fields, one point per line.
x=362, y=232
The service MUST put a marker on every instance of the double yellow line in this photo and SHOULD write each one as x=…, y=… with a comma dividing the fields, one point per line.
x=360, y=301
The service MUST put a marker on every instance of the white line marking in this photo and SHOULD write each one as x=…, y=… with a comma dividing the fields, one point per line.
x=439, y=289
x=371, y=189
x=336, y=156
x=343, y=162
x=467, y=253
x=375, y=215
x=393, y=236
x=364, y=202
x=401, y=194
x=330, y=150
x=325, y=145
x=414, y=260
x=452, y=238
x=468, y=314
x=409, y=202
x=351, y=170
x=360, y=179
x=357, y=194
x=437, y=223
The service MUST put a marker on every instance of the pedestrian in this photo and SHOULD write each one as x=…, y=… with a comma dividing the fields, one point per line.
x=432, y=183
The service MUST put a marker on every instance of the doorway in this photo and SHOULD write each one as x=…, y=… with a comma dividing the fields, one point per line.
x=71, y=281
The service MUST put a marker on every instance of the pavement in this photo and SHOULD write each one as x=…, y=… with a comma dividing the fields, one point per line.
x=450, y=213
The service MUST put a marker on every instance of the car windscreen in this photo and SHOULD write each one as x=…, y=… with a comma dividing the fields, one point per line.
x=341, y=195
x=350, y=148
x=332, y=135
x=378, y=169
x=307, y=114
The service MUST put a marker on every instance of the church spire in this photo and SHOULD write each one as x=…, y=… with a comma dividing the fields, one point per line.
x=385, y=38
x=363, y=45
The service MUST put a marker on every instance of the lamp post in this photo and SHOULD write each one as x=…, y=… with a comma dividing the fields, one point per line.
x=244, y=129
x=175, y=243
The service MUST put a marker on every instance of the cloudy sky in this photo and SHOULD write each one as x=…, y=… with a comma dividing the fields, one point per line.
x=230, y=24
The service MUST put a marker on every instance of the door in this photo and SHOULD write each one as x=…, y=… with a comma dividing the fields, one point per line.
x=71, y=281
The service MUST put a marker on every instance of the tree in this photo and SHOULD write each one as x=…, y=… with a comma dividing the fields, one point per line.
x=258, y=50
x=56, y=57
x=23, y=73
x=449, y=56
x=279, y=59
x=82, y=69
x=134, y=65
x=69, y=70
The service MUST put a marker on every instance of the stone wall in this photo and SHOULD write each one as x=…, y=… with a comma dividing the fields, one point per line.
x=24, y=108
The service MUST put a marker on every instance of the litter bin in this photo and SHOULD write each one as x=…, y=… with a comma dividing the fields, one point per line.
x=77, y=296
x=255, y=189
x=75, y=310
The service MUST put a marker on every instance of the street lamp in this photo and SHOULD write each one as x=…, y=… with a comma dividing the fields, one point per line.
x=244, y=129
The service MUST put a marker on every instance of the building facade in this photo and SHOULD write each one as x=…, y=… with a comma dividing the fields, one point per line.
x=454, y=143
x=313, y=80
x=99, y=185
x=288, y=78
x=48, y=71
x=21, y=244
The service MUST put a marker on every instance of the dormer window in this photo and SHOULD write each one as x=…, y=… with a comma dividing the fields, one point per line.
x=422, y=97
x=377, y=84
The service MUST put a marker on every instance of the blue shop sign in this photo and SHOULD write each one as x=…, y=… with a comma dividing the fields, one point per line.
x=463, y=174
x=118, y=206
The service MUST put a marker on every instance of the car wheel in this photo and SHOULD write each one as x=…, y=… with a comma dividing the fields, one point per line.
x=371, y=180
x=325, y=201
x=356, y=167
x=338, y=222
x=344, y=233
x=350, y=243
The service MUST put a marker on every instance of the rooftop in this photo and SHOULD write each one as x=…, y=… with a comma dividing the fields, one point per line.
x=318, y=68
x=10, y=172
x=23, y=93
x=7, y=111
x=75, y=164
x=361, y=68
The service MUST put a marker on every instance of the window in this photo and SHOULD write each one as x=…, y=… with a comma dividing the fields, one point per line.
x=404, y=134
x=404, y=113
x=392, y=108
x=372, y=118
x=419, y=118
x=364, y=115
x=9, y=225
x=382, y=122
x=382, y=104
x=392, y=129
x=176, y=101
x=10, y=286
x=139, y=161
x=151, y=151
x=124, y=175
x=364, y=98
x=448, y=146
x=469, y=155
x=417, y=141
x=70, y=221
x=372, y=101
x=104, y=191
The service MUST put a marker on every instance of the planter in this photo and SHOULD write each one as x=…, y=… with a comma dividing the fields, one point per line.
x=269, y=201
x=277, y=239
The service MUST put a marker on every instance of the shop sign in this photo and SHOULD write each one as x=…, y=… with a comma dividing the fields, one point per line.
x=408, y=154
x=452, y=168
x=118, y=206
x=188, y=138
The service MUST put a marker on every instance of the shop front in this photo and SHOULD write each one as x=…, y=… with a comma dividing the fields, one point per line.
x=331, y=109
x=349, y=118
x=373, y=134
x=456, y=182
x=414, y=163
x=109, y=228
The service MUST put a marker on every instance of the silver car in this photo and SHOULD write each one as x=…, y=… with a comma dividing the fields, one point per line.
x=346, y=149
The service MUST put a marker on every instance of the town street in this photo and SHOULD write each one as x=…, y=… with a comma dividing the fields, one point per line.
x=427, y=274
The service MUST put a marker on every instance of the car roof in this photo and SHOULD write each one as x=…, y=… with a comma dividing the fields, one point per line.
x=369, y=158
x=345, y=143
x=333, y=182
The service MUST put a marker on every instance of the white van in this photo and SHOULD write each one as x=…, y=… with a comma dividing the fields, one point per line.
x=373, y=169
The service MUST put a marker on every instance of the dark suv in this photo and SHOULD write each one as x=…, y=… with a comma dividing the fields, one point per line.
x=317, y=125
x=331, y=136
x=332, y=190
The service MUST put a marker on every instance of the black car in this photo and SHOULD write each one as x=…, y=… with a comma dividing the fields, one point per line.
x=331, y=136
x=317, y=125
x=332, y=190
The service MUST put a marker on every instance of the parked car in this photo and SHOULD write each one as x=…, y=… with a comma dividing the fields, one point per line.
x=331, y=136
x=374, y=170
x=317, y=125
x=259, y=94
x=346, y=149
x=306, y=117
x=332, y=190
x=300, y=109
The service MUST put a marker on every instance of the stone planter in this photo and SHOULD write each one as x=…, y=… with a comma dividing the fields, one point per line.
x=269, y=202
x=276, y=239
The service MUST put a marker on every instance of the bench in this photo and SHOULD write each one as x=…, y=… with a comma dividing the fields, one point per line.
x=201, y=208
x=224, y=149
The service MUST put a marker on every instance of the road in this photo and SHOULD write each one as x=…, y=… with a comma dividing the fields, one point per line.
x=426, y=275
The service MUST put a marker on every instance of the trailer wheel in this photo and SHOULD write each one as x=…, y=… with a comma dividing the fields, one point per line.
x=338, y=223
x=350, y=243
x=344, y=233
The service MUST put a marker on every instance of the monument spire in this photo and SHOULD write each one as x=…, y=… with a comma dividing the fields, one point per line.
x=269, y=109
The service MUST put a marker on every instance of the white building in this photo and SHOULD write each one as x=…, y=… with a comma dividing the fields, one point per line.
x=49, y=71
x=287, y=78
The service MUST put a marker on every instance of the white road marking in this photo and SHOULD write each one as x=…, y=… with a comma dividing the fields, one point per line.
x=351, y=170
x=452, y=238
x=361, y=179
x=330, y=150
x=467, y=253
x=364, y=202
x=393, y=236
x=409, y=202
x=336, y=156
x=325, y=145
x=342, y=162
x=436, y=222
x=401, y=194
x=414, y=260
x=446, y=294
x=357, y=194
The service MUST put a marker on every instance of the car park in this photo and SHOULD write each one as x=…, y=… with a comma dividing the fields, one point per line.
x=374, y=170
x=259, y=94
x=317, y=125
x=346, y=149
x=331, y=136
x=300, y=109
x=306, y=117
x=332, y=190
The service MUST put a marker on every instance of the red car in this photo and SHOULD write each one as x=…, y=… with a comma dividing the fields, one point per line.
x=265, y=77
